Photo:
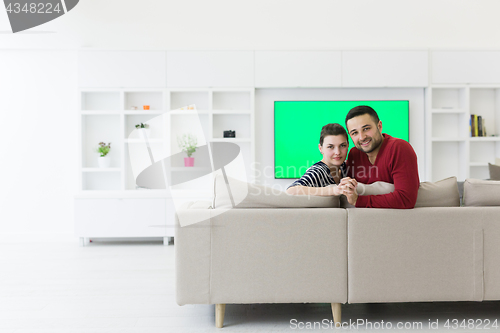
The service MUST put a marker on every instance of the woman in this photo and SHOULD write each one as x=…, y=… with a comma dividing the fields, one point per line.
x=334, y=146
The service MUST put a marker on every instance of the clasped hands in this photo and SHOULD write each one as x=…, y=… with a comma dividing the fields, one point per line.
x=347, y=187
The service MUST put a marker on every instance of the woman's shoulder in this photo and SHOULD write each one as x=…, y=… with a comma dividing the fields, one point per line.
x=319, y=166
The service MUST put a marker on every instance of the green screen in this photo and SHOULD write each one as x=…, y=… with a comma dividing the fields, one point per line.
x=297, y=127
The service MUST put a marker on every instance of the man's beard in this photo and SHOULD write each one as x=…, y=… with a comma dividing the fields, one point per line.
x=376, y=142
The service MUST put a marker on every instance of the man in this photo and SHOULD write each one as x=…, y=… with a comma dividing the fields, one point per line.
x=379, y=157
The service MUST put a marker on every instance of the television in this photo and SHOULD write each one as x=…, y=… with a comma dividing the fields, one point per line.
x=297, y=127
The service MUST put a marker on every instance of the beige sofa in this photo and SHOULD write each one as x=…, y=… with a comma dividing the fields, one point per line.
x=262, y=251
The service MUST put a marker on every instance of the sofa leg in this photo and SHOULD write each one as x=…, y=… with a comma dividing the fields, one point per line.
x=220, y=309
x=337, y=314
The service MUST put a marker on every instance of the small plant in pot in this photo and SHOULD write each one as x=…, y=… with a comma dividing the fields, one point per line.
x=103, y=159
x=144, y=129
x=188, y=144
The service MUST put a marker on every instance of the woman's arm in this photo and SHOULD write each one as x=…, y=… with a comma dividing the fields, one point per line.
x=318, y=191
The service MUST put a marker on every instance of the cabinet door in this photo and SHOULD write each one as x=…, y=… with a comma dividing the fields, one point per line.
x=385, y=69
x=210, y=69
x=297, y=69
x=125, y=69
x=465, y=67
x=120, y=217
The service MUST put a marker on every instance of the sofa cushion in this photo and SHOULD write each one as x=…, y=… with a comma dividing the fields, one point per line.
x=248, y=195
x=478, y=192
x=494, y=171
x=443, y=193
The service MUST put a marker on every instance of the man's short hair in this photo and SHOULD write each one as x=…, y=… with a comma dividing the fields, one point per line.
x=332, y=129
x=361, y=110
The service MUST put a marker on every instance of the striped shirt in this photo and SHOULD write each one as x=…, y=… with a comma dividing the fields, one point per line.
x=318, y=175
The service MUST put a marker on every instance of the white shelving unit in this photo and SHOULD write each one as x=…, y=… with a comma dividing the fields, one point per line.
x=451, y=151
x=109, y=115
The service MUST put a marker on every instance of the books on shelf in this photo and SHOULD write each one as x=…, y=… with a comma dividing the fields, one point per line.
x=477, y=126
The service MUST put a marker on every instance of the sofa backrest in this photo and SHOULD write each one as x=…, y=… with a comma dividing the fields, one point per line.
x=247, y=195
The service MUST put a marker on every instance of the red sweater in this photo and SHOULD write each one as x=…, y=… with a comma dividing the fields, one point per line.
x=396, y=163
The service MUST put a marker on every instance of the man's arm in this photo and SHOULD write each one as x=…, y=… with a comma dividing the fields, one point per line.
x=406, y=182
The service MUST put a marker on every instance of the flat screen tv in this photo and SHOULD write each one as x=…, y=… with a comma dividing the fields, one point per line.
x=297, y=127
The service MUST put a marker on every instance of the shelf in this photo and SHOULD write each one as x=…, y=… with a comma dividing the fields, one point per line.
x=190, y=169
x=231, y=112
x=100, y=112
x=230, y=140
x=107, y=116
x=449, y=111
x=101, y=170
x=448, y=139
x=484, y=138
x=188, y=112
x=143, y=112
x=152, y=140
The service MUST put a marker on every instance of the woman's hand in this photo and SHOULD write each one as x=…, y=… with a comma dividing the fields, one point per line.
x=336, y=190
x=348, y=187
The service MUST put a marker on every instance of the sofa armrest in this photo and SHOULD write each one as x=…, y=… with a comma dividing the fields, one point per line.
x=192, y=253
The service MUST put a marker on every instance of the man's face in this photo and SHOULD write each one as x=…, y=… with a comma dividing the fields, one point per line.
x=366, y=135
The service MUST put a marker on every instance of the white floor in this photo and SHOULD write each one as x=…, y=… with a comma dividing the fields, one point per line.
x=129, y=287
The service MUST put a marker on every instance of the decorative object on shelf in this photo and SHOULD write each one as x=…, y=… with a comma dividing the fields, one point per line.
x=477, y=126
x=188, y=144
x=104, y=160
x=145, y=107
x=229, y=134
x=189, y=107
x=134, y=108
x=144, y=129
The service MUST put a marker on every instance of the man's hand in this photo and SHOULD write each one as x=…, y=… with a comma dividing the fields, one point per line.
x=351, y=195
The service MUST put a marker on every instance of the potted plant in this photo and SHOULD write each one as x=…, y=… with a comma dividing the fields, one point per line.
x=144, y=129
x=103, y=160
x=188, y=144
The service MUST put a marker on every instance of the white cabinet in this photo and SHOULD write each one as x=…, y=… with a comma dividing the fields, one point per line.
x=120, y=217
x=297, y=69
x=210, y=69
x=106, y=69
x=471, y=67
x=385, y=69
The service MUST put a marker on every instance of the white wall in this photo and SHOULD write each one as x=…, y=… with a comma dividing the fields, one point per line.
x=38, y=143
x=268, y=24
x=264, y=121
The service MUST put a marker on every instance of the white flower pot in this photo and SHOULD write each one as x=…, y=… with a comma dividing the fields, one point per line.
x=104, y=162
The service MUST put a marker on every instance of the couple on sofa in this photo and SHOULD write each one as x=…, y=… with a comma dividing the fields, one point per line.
x=376, y=157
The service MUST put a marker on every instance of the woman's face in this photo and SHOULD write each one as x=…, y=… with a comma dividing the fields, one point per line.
x=334, y=149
